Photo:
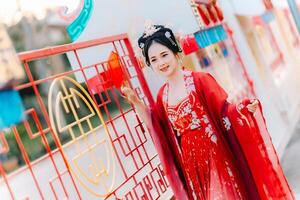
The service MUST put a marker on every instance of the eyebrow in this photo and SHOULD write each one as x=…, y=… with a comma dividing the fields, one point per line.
x=163, y=52
x=160, y=54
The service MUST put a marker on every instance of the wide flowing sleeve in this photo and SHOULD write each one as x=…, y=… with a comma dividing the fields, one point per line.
x=248, y=139
x=252, y=134
x=212, y=95
x=211, y=91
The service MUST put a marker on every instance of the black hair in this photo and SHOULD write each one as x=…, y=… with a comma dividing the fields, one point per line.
x=160, y=35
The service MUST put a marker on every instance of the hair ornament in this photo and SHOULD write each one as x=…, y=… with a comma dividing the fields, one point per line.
x=168, y=35
x=142, y=45
x=150, y=29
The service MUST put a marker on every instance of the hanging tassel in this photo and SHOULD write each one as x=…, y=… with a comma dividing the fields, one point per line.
x=210, y=36
x=219, y=13
x=204, y=14
x=212, y=13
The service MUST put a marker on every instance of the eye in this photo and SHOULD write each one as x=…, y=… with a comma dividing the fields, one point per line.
x=153, y=60
x=164, y=55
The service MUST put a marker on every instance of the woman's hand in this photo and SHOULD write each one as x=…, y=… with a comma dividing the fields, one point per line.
x=253, y=105
x=142, y=110
x=129, y=94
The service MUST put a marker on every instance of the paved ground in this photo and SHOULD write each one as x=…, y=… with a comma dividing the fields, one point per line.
x=291, y=162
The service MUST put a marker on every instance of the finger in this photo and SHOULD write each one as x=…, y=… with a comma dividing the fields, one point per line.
x=123, y=95
x=251, y=110
x=126, y=90
x=254, y=101
x=122, y=88
x=125, y=84
x=254, y=104
x=250, y=107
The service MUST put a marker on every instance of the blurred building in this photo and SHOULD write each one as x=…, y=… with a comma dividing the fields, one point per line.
x=268, y=42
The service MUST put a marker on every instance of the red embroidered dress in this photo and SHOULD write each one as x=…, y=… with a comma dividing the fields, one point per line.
x=209, y=167
x=211, y=150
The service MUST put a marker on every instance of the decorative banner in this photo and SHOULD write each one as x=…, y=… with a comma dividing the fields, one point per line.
x=204, y=14
x=207, y=13
x=10, y=66
x=188, y=44
x=224, y=49
x=259, y=20
x=196, y=13
x=267, y=42
x=203, y=58
x=210, y=36
x=219, y=13
x=212, y=13
x=79, y=24
x=11, y=108
x=292, y=28
x=268, y=4
x=209, y=18
x=268, y=17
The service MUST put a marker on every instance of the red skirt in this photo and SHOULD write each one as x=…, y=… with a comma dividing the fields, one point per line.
x=211, y=171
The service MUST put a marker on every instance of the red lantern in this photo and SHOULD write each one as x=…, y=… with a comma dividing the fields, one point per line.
x=97, y=83
x=114, y=76
x=115, y=70
x=189, y=44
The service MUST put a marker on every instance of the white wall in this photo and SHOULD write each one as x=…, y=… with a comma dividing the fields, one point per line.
x=247, y=7
x=280, y=4
x=128, y=16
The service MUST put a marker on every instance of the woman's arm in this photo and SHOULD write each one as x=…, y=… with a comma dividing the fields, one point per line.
x=142, y=110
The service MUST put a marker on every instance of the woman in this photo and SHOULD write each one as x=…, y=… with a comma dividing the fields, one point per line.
x=209, y=148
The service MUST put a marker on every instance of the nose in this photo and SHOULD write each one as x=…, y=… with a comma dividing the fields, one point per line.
x=161, y=63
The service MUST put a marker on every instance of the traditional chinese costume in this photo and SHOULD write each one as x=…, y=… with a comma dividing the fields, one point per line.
x=212, y=149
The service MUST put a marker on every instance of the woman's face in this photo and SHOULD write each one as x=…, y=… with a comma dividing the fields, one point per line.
x=162, y=59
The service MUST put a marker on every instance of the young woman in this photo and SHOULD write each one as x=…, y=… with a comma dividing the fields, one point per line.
x=209, y=148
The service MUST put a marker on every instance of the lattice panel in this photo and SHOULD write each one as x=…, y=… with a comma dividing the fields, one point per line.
x=94, y=144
